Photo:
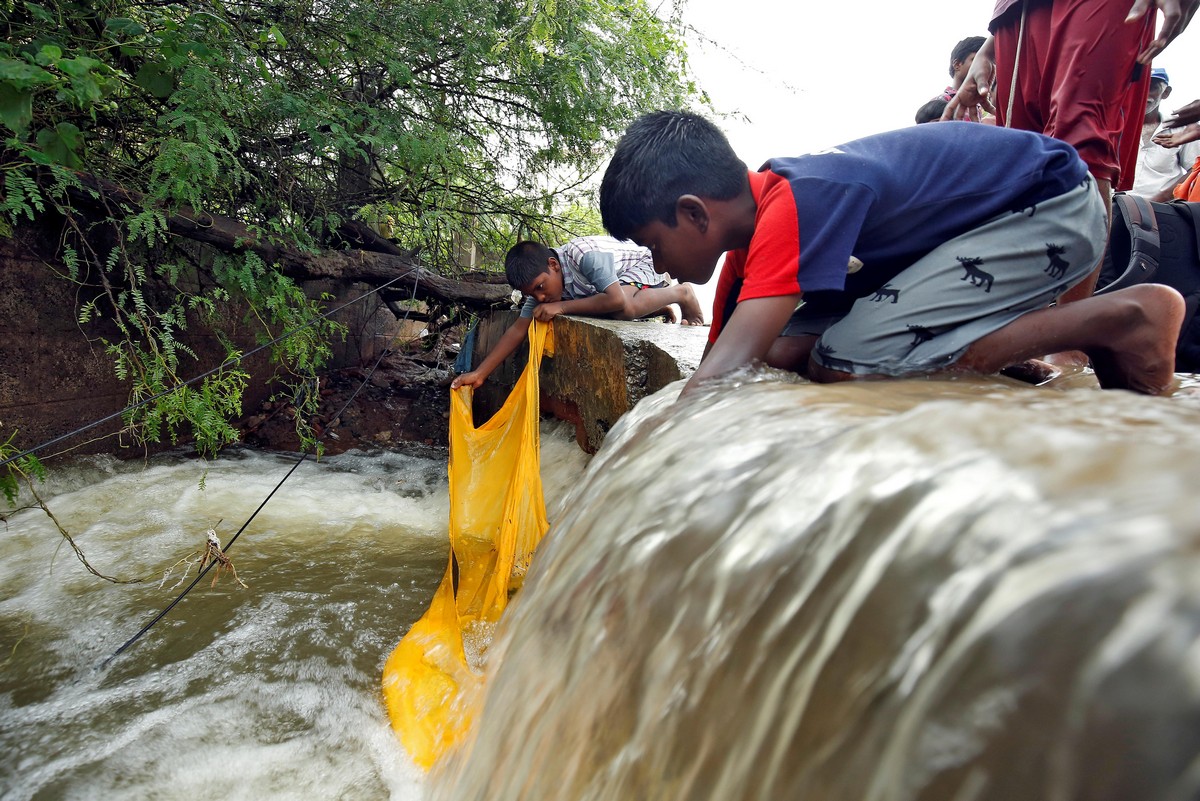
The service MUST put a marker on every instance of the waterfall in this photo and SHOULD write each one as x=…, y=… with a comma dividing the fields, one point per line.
x=920, y=589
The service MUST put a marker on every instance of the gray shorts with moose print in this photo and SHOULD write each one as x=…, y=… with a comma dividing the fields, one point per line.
x=926, y=317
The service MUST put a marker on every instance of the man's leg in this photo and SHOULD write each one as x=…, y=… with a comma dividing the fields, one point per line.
x=1129, y=335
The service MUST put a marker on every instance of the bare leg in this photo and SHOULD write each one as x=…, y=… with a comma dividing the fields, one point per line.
x=1129, y=335
x=642, y=302
x=791, y=353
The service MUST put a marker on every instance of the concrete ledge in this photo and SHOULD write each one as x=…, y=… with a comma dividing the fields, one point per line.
x=600, y=369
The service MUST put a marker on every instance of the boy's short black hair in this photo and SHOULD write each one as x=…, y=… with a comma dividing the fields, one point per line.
x=963, y=49
x=663, y=155
x=931, y=111
x=524, y=262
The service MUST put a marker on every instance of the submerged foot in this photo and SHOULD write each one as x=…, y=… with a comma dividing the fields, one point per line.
x=1032, y=371
x=1139, y=353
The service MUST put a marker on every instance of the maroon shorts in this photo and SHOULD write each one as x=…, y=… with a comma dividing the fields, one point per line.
x=1077, y=79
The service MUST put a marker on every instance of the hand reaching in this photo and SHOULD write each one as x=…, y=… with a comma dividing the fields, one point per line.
x=1176, y=14
x=1174, y=137
x=472, y=379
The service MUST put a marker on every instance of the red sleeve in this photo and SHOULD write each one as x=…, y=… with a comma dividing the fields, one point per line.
x=769, y=267
x=773, y=259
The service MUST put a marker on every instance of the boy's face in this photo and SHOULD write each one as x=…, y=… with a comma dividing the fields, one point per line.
x=547, y=287
x=958, y=70
x=680, y=250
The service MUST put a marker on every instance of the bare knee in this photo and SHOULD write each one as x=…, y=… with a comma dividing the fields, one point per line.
x=791, y=352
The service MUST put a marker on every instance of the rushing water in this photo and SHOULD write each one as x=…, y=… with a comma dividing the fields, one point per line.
x=896, y=590
x=260, y=693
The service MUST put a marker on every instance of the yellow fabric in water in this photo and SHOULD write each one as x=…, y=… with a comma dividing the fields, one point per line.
x=497, y=518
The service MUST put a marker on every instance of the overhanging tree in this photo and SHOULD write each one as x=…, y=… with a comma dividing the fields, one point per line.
x=284, y=134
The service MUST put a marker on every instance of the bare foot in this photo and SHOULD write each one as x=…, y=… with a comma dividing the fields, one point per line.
x=1032, y=371
x=1067, y=360
x=1139, y=351
x=689, y=306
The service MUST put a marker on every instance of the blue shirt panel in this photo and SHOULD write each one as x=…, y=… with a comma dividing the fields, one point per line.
x=891, y=198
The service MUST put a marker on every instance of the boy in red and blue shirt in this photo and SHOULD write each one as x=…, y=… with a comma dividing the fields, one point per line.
x=927, y=248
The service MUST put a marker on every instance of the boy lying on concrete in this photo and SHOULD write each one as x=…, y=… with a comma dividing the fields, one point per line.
x=593, y=276
x=966, y=235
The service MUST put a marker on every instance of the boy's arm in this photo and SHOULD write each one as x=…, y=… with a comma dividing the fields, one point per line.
x=748, y=334
x=509, y=341
x=612, y=299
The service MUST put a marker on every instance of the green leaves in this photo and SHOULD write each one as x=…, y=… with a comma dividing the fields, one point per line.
x=18, y=79
x=157, y=78
x=61, y=144
x=16, y=107
x=454, y=120
x=121, y=28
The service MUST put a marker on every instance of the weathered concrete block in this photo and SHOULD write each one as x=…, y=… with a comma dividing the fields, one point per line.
x=600, y=368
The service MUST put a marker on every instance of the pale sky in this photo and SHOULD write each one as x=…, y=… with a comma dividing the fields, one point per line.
x=802, y=76
x=808, y=75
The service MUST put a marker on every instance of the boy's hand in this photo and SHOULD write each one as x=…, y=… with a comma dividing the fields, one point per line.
x=472, y=379
x=747, y=336
x=545, y=312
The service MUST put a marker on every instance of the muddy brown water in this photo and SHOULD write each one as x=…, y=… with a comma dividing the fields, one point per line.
x=896, y=590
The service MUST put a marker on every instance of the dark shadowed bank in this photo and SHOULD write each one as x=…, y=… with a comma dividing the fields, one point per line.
x=402, y=405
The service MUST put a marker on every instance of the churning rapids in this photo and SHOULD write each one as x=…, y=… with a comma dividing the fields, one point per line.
x=952, y=590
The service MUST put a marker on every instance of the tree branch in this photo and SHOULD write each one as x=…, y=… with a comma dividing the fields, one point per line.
x=231, y=236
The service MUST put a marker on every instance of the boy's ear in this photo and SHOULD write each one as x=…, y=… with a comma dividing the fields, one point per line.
x=691, y=209
x=552, y=265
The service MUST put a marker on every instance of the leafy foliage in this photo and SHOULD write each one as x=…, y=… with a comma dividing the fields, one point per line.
x=15, y=471
x=436, y=122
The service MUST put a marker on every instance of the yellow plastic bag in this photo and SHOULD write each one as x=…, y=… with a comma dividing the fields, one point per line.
x=497, y=518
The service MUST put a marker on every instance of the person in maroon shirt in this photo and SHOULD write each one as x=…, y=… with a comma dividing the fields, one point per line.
x=1077, y=70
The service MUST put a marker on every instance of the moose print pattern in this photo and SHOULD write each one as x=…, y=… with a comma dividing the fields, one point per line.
x=885, y=293
x=832, y=361
x=929, y=313
x=920, y=334
x=973, y=273
x=1058, y=265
